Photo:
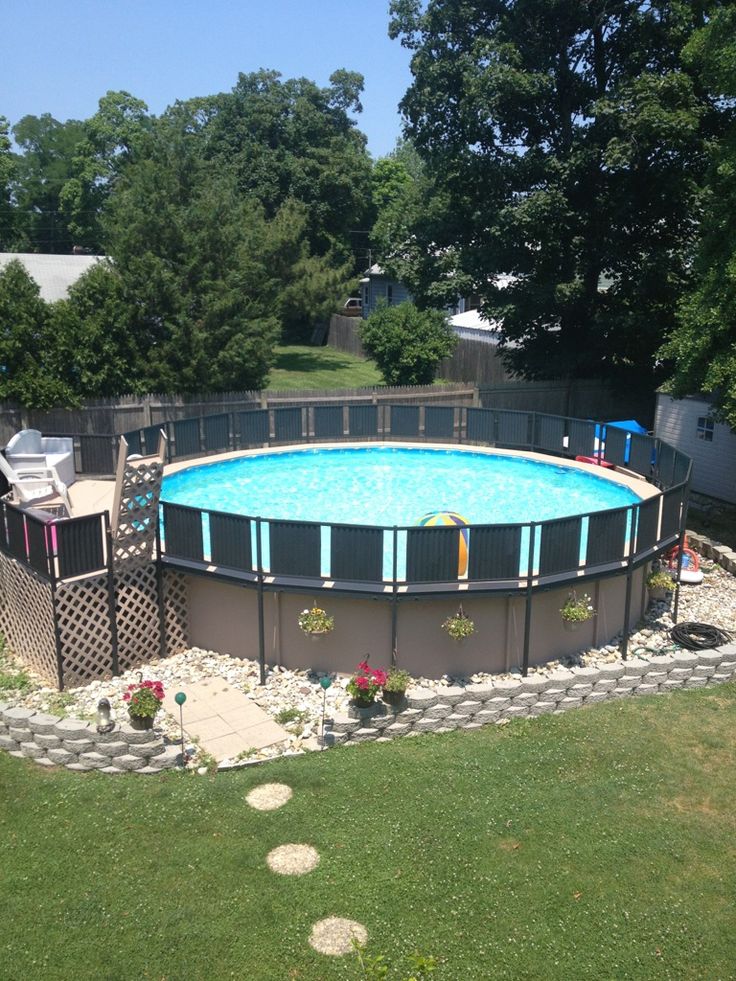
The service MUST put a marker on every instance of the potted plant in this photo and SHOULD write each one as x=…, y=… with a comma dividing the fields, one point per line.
x=395, y=685
x=576, y=610
x=144, y=700
x=316, y=622
x=365, y=684
x=459, y=626
x=658, y=584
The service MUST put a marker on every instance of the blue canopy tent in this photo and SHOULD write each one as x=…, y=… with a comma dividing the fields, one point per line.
x=630, y=425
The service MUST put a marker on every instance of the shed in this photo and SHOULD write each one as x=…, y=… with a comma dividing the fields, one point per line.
x=55, y=274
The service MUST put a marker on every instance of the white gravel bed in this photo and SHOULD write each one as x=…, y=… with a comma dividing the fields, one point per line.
x=712, y=602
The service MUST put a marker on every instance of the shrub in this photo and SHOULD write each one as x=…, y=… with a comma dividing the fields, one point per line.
x=407, y=344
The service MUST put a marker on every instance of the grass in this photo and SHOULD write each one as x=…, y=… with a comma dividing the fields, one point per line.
x=299, y=367
x=595, y=844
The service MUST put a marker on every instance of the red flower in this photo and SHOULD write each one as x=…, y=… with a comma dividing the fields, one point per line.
x=362, y=682
x=363, y=666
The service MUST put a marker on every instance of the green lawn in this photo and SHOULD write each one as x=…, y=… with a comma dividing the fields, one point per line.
x=300, y=366
x=596, y=844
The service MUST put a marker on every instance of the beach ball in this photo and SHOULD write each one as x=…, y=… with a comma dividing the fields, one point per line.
x=450, y=518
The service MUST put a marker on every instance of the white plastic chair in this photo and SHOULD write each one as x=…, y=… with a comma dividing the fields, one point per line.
x=33, y=486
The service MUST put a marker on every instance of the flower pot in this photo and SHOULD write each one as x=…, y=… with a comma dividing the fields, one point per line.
x=657, y=592
x=141, y=721
x=316, y=634
x=393, y=697
x=363, y=703
x=571, y=625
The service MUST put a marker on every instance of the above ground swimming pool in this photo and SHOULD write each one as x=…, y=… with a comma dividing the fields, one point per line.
x=391, y=485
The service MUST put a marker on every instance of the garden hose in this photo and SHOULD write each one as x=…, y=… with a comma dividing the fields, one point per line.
x=698, y=636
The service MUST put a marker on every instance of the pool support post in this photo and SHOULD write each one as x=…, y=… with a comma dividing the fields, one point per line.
x=681, y=544
x=528, y=606
x=394, y=598
x=261, y=629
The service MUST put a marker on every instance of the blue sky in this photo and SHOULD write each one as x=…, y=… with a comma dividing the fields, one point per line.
x=60, y=56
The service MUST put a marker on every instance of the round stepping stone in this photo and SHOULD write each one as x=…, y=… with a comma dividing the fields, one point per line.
x=269, y=796
x=293, y=859
x=335, y=936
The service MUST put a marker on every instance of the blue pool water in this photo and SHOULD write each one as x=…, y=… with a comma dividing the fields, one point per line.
x=393, y=486
x=378, y=485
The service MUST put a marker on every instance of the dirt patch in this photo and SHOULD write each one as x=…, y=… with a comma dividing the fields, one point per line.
x=293, y=859
x=334, y=936
x=269, y=796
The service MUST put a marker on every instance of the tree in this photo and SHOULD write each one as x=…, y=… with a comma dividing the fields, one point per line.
x=399, y=187
x=27, y=344
x=564, y=143
x=407, y=344
x=703, y=344
x=7, y=167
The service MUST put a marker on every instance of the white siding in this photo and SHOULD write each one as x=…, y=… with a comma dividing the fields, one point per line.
x=714, y=463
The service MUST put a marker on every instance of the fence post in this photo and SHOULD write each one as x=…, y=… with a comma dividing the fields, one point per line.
x=162, y=639
x=261, y=629
x=528, y=606
x=111, y=597
x=683, y=522
x=394, y=596
x=57, y=635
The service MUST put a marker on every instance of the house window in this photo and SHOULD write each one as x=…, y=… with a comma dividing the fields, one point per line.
x=706, y=427
x=390, y=294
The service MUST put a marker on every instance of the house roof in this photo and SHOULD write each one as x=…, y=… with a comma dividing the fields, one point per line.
x=53, y=273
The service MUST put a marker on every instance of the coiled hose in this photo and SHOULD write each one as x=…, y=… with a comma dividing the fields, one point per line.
x=698, y=636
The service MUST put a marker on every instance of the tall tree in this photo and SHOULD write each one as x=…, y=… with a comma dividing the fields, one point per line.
x=7, y=167
x=564, y=142
x=703, y=344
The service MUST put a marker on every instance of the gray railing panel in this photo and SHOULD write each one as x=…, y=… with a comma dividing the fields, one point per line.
x=363, y=420
x=97, y=454
x=432, y=554
x=253, y=427
x=404, y=420
x=80, y=547
x=560, y=546
x=681, y=465
x=439, y=422
x=38, y=546
x=671, y=512
x=295, y=548
x=356, y=553
x=183, y=532
x=606, y=537
x=287, y=424
x=647, y=524
x=581, y=438
x=134, y=441
x=216, y=430
x=16, y=537
x=640, y=455
x=230, y=541
x=495, y=552
x=328, y=422
x=514, y=428
x=550, y=433
x=665, y=464
x=481, y=426
x=151, y=437
x=186, y=438
x=616, y=446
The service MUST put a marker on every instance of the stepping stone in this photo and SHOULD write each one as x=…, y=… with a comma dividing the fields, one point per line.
x=293, y=859
x=269, y=796
x=335, y=935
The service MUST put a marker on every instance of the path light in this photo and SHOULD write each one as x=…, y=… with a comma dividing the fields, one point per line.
x=104, y=722
x=325, y=682
x=180, y=698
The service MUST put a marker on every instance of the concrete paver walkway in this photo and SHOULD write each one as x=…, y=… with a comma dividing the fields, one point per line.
x=225, y=721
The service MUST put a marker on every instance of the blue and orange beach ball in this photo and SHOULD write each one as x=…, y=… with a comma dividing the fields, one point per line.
x=450, y=518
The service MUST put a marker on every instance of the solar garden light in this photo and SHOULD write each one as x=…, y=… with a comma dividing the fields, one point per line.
x=325, y=682
x=104, y=722
x=180, y=698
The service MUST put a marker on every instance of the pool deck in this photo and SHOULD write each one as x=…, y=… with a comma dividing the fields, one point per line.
x=93, y=496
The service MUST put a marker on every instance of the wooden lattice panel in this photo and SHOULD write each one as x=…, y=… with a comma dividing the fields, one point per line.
x=83, y=614
x=136, y=596
x=135, y=534
x=177, y=623
x=27, y=617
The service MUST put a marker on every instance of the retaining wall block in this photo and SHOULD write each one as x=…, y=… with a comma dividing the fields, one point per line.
x=542, y=708
x=43, y=724
x=620, y=692
x=61, y=756
x=80, y=767
x=696, y=682
x=381, y=721
x=479, y=692
x=367, y=712
x=486, y=716
x=727, y=667
x=421, y=698
x=596, y=696
x=112, y=770
x=629, y=681
x=655, y=678
x=135, y=736
x=49, y=742
x=3, y=706
x=562, y=678
x=647, y=689
x=4, y=728
x=427, y=725
x=32, y=750
x=635, y=667
x=438, y=711
x=168, y=760
x=151, y=748
x=452, y=694
x=684, y=659
x=728, y=651
x=468, y=707
x=335, y=738
x=9, y=744
x=570, y=702
x=114, y=736
x=672, y=684
x=507, y=689
x=364, y=735
x=710, y=657
x=516, y=711
x=17, y=716
x=472, y=725
x=555, y=694
x=497, y=704
x=71, y=729
x=455, y=720
x=342, y=723
x=119, y=748
x=605, y=684
x=20, y=734
x=611, y=671
x=527, y=698
x=579, y=691
x=680, y=674
x=587, y=675
x=704, y=670
x=661, y=662
x=719, y=678
x=536, y=683
x=128, y=762
x=410, y=715
x=442, y=730
x=94, y=760
x=78, y=746
x=397, y=729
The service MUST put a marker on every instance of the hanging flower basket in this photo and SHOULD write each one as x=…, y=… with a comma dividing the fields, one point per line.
x=316, y=622
x=459, y=626
x=576, y=610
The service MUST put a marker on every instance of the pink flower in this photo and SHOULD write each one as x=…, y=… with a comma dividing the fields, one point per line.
x=363, y=666
x=362, y=682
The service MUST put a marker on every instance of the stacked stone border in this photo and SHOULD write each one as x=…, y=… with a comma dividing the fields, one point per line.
x=720, y=554
x=477, y=705
x=78, y=746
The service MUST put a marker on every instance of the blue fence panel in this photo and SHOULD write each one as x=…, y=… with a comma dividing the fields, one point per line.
x=253, y=427
x=363, y=420
x=216, y=431
x=186, y=438
x=182, y=531
x=80, y=546
x=560, y=546
x=432, y=554
x=607, y=537
x=439, y=422
x=494, y=552
x=328, y=422
x=356, y=553
x=287, y=424
x=581, y=437
x=550, y=433
x=230, y=541
x=481, y=426
x=514, y=428
x=404, y=420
